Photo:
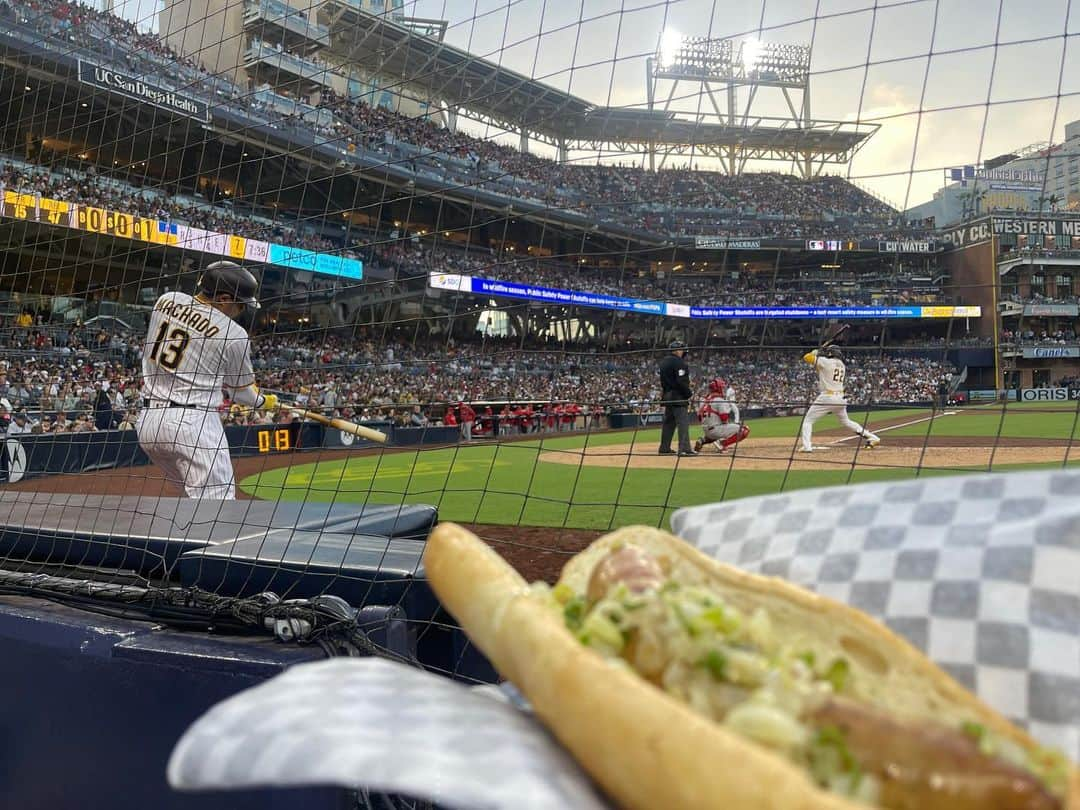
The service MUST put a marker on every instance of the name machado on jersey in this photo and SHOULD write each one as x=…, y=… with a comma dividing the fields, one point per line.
x=191, y=351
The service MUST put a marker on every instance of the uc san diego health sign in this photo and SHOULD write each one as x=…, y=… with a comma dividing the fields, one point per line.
x=125, y=84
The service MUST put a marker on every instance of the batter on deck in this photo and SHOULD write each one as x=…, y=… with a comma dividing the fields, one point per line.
x=195, y=347
x=831, y=371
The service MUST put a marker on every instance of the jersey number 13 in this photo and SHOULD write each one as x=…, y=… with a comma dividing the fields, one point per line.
x=168, y=350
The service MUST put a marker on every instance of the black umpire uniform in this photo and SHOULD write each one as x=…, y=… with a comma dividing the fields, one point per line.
x=675, y=384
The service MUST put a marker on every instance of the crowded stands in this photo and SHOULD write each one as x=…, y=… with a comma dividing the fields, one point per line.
x=82, y=379
x=677, y=201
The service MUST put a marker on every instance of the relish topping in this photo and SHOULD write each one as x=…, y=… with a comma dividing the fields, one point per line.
x=732, y=666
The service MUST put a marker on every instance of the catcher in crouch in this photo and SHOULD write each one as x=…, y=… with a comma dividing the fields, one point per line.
x=719, y=417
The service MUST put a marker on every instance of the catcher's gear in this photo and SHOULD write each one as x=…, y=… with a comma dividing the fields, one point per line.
x=675, y=345
x=832, y=352
x=718, y=386
x=229, y=278
x=744, y=431
x=269, y=402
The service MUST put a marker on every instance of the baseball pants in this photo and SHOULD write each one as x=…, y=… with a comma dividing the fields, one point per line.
x=189, y=446
x=823, y=406
x=717, y=433
x=675, y=416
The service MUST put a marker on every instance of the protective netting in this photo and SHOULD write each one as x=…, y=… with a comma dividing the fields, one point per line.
x=480, y=229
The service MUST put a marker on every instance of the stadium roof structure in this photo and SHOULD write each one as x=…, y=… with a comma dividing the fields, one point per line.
x=490, y=93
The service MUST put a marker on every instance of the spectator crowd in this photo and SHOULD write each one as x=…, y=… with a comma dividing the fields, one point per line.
x=677, y=201
x=69, y=383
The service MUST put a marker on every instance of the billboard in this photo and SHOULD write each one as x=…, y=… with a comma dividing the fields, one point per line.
x=999, y=178
x=1049, y=394
x=135, y=87
x=725, y=243
x=1050, y=352
x=1052, y=310
x=907, y=246
x=555, y=296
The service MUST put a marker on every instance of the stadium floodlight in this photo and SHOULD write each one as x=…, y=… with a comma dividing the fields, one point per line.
x=750, y=54
x=670, y=44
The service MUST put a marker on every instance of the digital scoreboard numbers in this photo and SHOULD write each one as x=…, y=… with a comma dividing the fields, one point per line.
x=277, y=438
x=28, y=207
x=107, y=223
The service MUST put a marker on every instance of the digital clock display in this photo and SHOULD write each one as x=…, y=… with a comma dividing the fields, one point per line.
x=276, y=440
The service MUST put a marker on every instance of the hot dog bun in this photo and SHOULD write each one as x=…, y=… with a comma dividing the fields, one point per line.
x=646, y=748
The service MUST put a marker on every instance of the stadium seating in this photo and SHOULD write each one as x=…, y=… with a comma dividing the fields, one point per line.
x=676, y=201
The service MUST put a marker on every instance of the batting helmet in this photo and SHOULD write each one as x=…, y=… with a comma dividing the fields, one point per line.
x=229, y=278
x=718, y=386
x=832, y=352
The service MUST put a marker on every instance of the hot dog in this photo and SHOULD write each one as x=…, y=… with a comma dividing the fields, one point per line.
x=678, y=681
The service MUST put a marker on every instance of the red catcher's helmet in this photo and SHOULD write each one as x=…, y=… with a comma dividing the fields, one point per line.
x=718, y=386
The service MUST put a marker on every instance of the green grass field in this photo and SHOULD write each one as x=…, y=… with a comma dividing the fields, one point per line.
x=507, y=484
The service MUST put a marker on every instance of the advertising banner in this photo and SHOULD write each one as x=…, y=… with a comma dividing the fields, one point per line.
x=1051, y=352
x=1052, y=310
x=551, y=295
x=326, y=263
x=1049, y=394
x=725, y=243
x=135, y=87
x=909, y=246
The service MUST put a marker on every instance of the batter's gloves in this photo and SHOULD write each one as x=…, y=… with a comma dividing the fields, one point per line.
x=270, y=402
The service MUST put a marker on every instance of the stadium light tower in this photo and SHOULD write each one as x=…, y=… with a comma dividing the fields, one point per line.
x=719, y=68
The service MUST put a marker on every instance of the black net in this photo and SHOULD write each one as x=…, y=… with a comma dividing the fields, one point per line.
x=481, y=229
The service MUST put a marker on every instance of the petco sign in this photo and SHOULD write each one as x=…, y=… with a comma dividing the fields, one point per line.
x=973, y=233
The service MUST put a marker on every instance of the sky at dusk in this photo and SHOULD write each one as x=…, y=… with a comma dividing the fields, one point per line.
x=951, y=82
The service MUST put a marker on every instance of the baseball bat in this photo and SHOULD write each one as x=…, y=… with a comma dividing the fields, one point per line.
x=349, y=427
x=836, y=336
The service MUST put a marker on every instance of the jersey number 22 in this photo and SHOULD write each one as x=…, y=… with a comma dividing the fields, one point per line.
x=169, y=352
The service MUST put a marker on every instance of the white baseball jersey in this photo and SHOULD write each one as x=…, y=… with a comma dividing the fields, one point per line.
x=191, y=351
x=830, y=372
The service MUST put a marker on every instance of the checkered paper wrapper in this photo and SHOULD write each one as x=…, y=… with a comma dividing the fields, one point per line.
x=980, y=572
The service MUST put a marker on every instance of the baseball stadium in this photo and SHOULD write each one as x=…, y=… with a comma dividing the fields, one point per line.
x=415, y=404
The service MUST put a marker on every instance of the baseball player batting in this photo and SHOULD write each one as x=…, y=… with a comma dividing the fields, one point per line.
x=719, y=417
x=195, y=347
x=829, y=364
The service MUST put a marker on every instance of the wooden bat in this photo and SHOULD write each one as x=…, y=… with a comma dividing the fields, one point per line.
x=836, y=336
x=349, y=427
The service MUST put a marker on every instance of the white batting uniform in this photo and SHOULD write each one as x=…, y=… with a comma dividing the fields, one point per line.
x=191, y=351
x=831, y=372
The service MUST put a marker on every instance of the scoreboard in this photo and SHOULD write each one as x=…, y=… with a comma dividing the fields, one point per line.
x=120, y=224
x=32, y=208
